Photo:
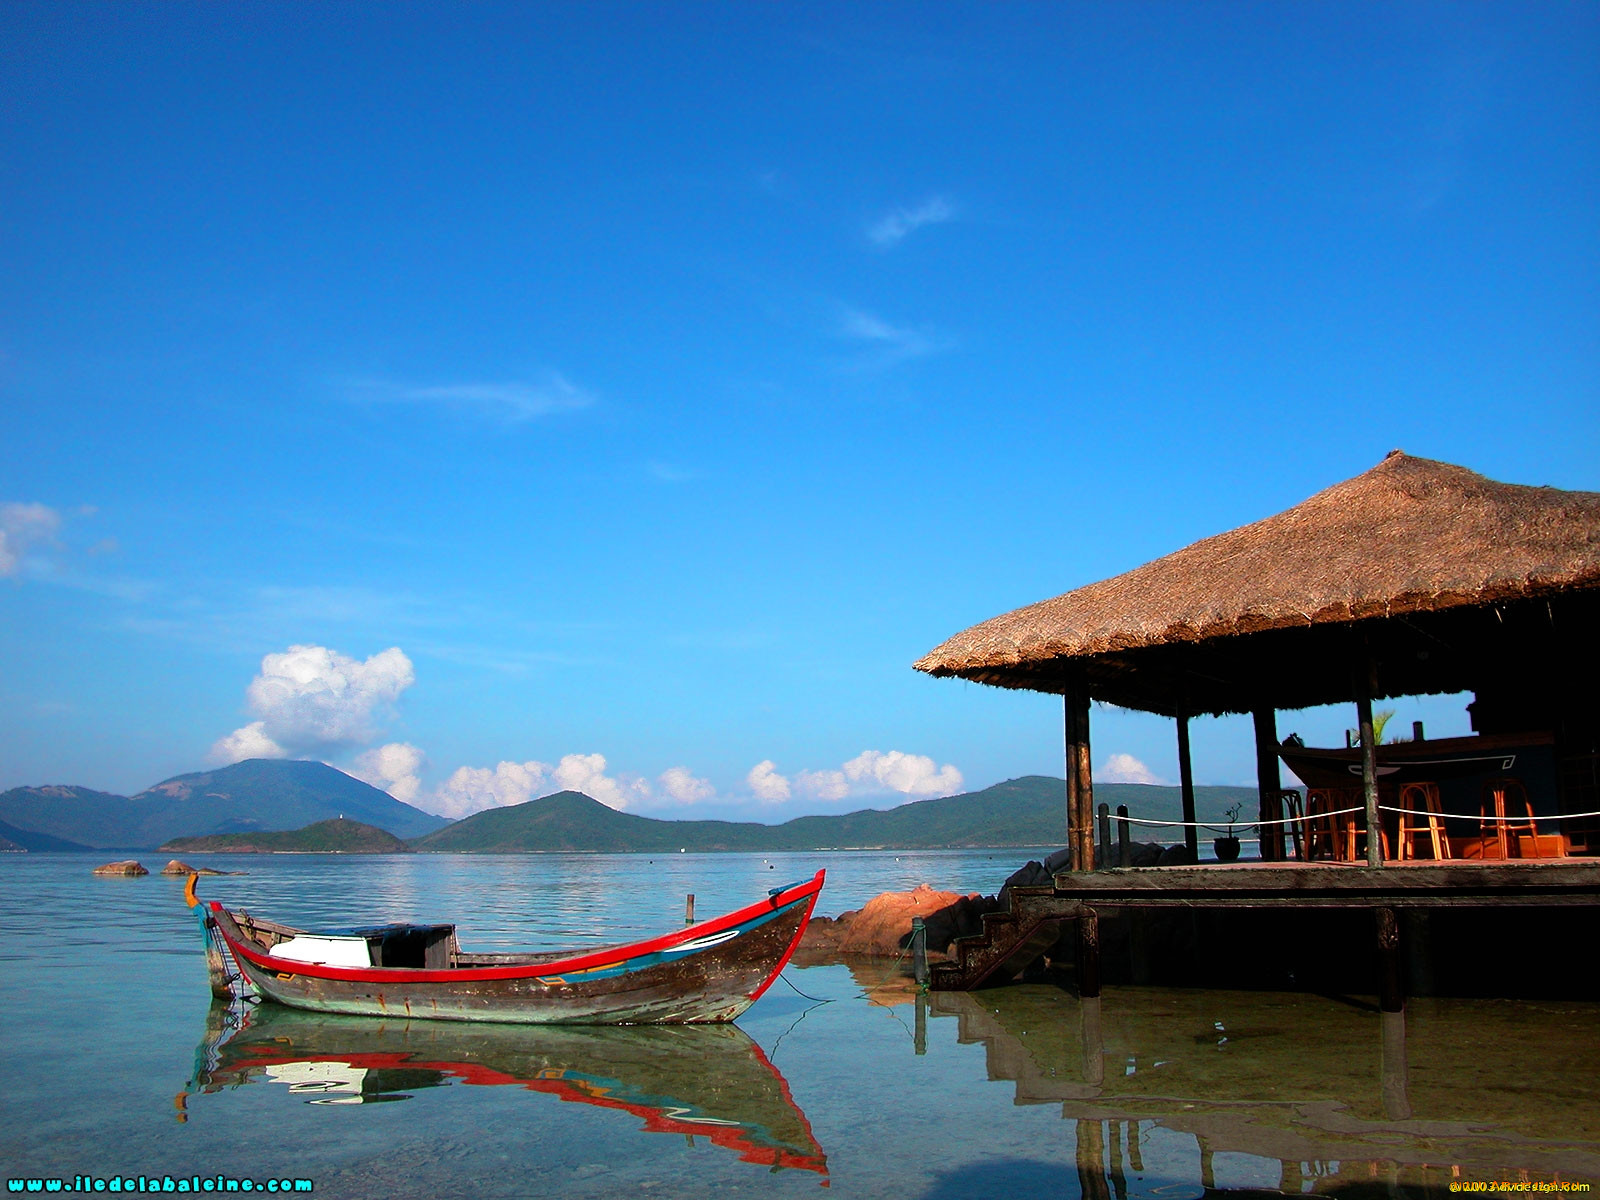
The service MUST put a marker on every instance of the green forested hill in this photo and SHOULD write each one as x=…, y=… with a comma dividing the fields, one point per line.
x=338, y=836
x=1030, y=811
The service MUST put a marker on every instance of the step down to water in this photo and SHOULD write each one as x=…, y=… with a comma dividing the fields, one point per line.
x=1012, y=940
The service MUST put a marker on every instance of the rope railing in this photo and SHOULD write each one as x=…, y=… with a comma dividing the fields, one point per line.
x=1339, y=812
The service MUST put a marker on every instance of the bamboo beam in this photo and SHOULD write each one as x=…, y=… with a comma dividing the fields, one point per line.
x=1191, y=835
x=1269, y=783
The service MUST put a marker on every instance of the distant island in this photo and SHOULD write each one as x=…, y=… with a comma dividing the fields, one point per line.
x=280, y=805
x=338, y=836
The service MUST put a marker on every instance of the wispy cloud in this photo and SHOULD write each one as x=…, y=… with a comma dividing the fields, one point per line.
x=664, y=472
x=890, y=230
x=885, y=344
x=515, y=400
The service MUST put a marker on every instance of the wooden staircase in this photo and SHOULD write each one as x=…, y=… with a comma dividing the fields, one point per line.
x=1012, y=940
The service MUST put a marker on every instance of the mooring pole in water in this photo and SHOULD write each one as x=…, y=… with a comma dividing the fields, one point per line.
x=1105, y=834
x=1124, y=854
x=688, y=911
x=919, y=1039
x=919, y=951
x=1088, y=963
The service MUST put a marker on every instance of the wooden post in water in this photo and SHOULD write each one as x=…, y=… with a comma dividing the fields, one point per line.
x=919, y=952
x=1191, y=833
x=1105, y=832
x=1124, y=854
x=1094, y=1046
x=1080, y=782
x=919, y=1039
x=1395, y=1083
x=1366, y=684
x=1092, y=1183
x=1088, y=964
x=688, y=910
x=1269, y=783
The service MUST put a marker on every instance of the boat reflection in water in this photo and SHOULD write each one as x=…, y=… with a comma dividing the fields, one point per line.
x=708, y=1081
x=1344, y=1099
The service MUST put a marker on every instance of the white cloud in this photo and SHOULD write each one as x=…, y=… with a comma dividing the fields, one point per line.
x=310, y=697
x=766, y=784
x=682, y=786
x=890, y=230
x=473, y=789
x=394, y=768
x=586, y=773
x=250, y=741
x=912, y=774
x=23, y=527
x=824, y=785
x=1125, y=768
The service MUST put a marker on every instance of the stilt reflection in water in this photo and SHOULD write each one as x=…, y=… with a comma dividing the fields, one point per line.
x=1484, y=1091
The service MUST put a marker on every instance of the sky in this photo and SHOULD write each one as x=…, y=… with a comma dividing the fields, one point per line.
x=489, y=399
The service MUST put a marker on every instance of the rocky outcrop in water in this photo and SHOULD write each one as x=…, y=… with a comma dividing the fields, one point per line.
x=127, y=866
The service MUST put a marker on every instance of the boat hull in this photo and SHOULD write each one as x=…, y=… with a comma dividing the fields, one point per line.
x=706, y=973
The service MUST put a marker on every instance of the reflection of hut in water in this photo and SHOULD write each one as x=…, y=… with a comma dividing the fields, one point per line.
x=1323, y=1094
x=1413, y=578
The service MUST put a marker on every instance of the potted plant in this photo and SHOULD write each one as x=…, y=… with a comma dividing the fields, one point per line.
x=1227, y=848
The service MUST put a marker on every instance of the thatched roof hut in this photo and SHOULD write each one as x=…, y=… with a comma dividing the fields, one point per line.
x=1420, y=556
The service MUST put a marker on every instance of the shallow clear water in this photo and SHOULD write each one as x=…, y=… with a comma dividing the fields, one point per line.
x=113, y=1061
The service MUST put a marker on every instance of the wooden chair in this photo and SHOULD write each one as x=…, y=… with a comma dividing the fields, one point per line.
x=1298, y=827
x=1328, y=835
x=1422, y=798
x=1504, y=795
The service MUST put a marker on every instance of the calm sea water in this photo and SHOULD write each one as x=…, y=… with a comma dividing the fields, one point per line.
x=113, y=1060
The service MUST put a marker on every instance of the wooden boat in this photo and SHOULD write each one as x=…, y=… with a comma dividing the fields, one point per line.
x=1412, y=762
x=708, y=972
x=704, y=1081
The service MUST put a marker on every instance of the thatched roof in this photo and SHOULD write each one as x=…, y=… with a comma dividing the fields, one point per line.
x=1407, y=538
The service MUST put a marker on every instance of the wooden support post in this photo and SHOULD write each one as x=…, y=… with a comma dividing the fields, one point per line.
x=1088, y=963
x=1105, y=834
x=1366, y=684
x=1080, y=782
x=1269, y=783
x=1124, y=853
x=1392, y=996
x=688, y=910
x=1191, y=834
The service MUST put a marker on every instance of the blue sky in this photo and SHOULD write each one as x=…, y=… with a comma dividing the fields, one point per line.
x=657, y=382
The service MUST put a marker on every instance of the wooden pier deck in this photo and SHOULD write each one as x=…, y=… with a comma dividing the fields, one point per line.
x=1012, y=939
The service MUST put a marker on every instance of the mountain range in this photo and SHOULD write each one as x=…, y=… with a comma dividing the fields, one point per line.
x=252, y=801
x=257, y=795
x=1030, y=811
